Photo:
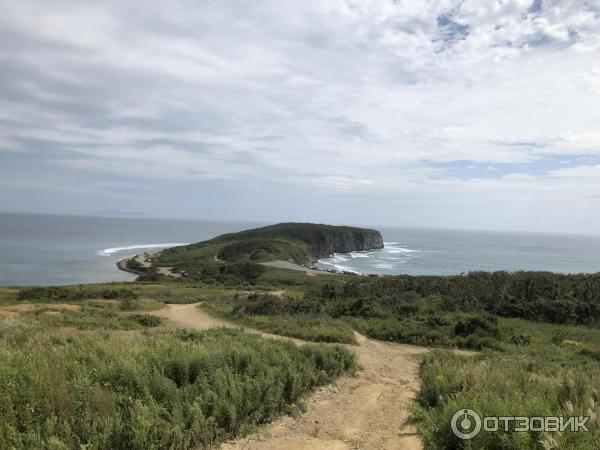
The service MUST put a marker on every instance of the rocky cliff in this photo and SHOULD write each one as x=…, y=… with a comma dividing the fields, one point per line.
x=344, y=240
x=317, y=240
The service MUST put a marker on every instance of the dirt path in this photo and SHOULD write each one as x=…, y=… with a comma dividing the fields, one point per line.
x=367, y=411
x=189, y=316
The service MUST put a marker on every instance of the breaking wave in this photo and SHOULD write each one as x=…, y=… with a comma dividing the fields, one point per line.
x=113, y=250
x=388, y=260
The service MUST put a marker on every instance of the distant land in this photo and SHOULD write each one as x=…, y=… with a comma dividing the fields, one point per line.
x=299, y=243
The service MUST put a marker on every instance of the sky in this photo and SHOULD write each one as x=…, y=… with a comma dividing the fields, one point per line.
x=439, y=113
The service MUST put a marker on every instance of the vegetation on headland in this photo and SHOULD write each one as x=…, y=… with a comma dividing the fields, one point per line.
x=302, y=243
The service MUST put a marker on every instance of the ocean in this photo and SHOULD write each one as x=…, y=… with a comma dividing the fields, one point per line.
x=416, y=251
x=55, y=250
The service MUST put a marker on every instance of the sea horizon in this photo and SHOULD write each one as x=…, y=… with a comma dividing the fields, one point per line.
x=264, y=223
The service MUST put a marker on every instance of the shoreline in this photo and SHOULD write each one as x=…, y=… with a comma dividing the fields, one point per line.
x=277, y=264
x=122, y=265
x=142, y=258
x=313, y=270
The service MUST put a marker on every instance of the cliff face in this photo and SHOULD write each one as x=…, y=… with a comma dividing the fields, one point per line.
x=344, y=241
x=324, y=240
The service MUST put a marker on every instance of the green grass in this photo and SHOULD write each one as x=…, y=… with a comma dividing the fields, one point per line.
x=142, y=295
x=64, y=387
x=8, y=295
x=330, y=321
x=546, y=381
x=274, y=278
x=58, y=294
x=91, y=318
x=317, y=329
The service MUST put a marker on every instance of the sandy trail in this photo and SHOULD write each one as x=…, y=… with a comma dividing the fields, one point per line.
x=366, y=411
x=189, y=316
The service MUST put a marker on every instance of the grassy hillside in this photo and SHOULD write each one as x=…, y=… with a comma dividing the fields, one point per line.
x=78, y=370
x=536, y=336
x=520, y=368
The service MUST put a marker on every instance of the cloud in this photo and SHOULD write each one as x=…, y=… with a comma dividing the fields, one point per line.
x=370, y=96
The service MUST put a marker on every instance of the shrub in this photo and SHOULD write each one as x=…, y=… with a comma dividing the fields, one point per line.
x=121, y=293
x=536, y=382
x=515, y=338
x=476, y=342
x=128, y=304
x=155, y=392
x=405, y=331
x=590, y=353
x=135, y=265
x=151, y=274
x=246, y=271
x=477, y=324
x=52, y=293
x=269, y=304
x=72, y=293
x=145, y=320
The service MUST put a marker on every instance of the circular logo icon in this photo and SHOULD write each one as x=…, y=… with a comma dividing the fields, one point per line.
x=466, y=424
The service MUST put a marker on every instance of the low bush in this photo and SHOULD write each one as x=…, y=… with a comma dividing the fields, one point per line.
x=153, y=392
x=484, y=326
x=308, y=327
x=476, y=342
x=244, y=271
x=145, y=320
x=591, y=353
x=265, y=303
x=121, y=294
x=541, y=382
x=135, y=265
x=404, y=331
x=72, y=293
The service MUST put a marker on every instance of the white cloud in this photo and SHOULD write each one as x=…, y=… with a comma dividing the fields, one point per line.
x=362, y=96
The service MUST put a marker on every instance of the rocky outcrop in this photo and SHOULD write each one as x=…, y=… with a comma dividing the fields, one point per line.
x=345, y=240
